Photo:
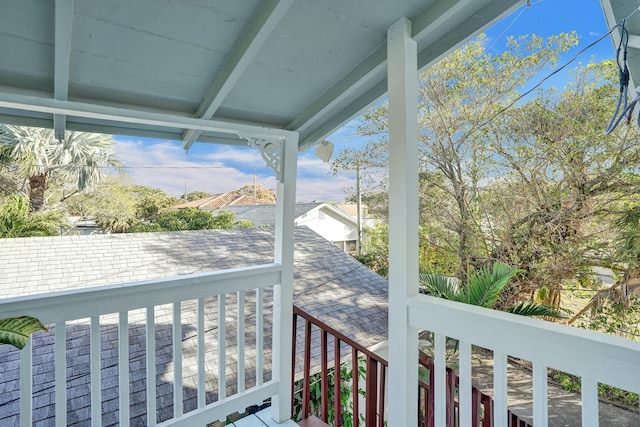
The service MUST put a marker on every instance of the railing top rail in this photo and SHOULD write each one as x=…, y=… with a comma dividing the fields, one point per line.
x=323, y=326
x=93, y=301
x=608, y=359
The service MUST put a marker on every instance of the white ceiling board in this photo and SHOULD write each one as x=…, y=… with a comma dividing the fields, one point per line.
x=322, y=62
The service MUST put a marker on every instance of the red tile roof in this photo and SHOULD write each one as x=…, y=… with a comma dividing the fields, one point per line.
x=218, y=201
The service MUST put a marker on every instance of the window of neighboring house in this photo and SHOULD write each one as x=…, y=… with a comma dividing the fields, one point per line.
x=339, y=244
x=350, y=246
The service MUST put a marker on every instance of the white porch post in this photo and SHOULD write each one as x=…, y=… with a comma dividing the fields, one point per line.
x=403, y=222
x=283, y=293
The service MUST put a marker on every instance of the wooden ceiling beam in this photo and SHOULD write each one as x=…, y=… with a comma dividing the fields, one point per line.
x=62, y=54
x=247, y=46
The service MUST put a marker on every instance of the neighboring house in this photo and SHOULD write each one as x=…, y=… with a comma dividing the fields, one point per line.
x=80, y=226
x=218, y=201
x=329, y=221
x=328, y=284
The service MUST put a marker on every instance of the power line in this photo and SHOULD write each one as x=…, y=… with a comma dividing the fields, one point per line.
x=174, y=167
x=525, y=7
x=554, y=72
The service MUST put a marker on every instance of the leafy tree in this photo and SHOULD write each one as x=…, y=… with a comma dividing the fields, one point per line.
x=243, y=223
x=15, y=220
x=377, y=203
x=565, y=180
x=9, y=177
x=484, y=289
x=457, y=97
x=78, y=160
x=146, y=227
x=112, y=205
x=194, y=219
x=194, y=195
x=150, y=202
x=375, y=251
x=259, y=192
x=613, y=304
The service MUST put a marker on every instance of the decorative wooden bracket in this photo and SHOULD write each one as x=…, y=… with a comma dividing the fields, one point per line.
x=272, y=152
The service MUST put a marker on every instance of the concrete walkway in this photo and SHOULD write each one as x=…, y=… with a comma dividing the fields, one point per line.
x=564, y=407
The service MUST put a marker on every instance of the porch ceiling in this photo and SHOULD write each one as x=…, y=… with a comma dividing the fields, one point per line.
x=303, y=65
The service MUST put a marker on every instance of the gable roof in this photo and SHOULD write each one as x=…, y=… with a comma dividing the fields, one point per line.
x=266, y=214
x=222, y=200
x=328, y=284
x=186, y=70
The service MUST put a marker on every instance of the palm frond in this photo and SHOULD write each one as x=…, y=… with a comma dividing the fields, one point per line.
x=439, y=285
x=16, y=330
x=484, y=286
x=530, y=309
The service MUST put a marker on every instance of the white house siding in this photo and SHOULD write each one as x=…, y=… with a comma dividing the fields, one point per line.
x=329, y=225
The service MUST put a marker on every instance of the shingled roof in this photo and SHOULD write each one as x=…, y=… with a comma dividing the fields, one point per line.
x=266, y=214
x=328, y=284
x=218, y=201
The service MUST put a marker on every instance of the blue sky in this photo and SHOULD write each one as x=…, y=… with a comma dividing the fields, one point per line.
x=218, y=168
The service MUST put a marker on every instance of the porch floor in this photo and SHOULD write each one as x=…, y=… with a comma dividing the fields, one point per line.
x=261, y=419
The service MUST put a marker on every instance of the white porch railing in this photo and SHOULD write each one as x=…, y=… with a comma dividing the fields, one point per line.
x=595, y=357
x=210, y=372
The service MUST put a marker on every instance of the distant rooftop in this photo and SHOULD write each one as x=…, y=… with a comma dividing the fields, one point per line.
x=221, y=200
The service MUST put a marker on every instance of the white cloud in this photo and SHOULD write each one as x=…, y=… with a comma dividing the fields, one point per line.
x=218, y=169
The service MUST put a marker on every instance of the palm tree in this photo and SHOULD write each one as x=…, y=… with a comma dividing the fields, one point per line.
x=79, y=159
x=483, y=288
x=15, y=220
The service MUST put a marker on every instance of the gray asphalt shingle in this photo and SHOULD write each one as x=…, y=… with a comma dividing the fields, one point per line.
x=328, y=284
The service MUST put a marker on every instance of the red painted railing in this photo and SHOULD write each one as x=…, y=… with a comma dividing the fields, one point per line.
x=481, y=404
x=369, y=367
x=364, y=365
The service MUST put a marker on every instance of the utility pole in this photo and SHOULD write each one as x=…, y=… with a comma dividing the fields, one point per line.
x=254, y=184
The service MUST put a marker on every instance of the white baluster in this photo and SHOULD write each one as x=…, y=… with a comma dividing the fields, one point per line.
x=202, y=390
x=464, y=391
x=540, y=401
x=26, y=385
x=259, y=336
x=500, y=389
x=61, y=374
x=151, y=366
x=178, y=408
x=96, y=368
x=123, y=367
x=440, y=375
x=240, y=337
x=590, y=401
x=222, y=347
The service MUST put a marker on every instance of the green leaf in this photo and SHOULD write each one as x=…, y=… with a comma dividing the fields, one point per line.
x=439, y=285
x=16, y=330
x=484, y=286
x=530, y=309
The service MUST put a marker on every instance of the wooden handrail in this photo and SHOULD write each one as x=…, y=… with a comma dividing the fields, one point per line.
x=375, y=368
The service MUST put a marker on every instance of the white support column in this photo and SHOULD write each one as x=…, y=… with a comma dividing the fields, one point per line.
x=403, y=221
x=283, y=293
